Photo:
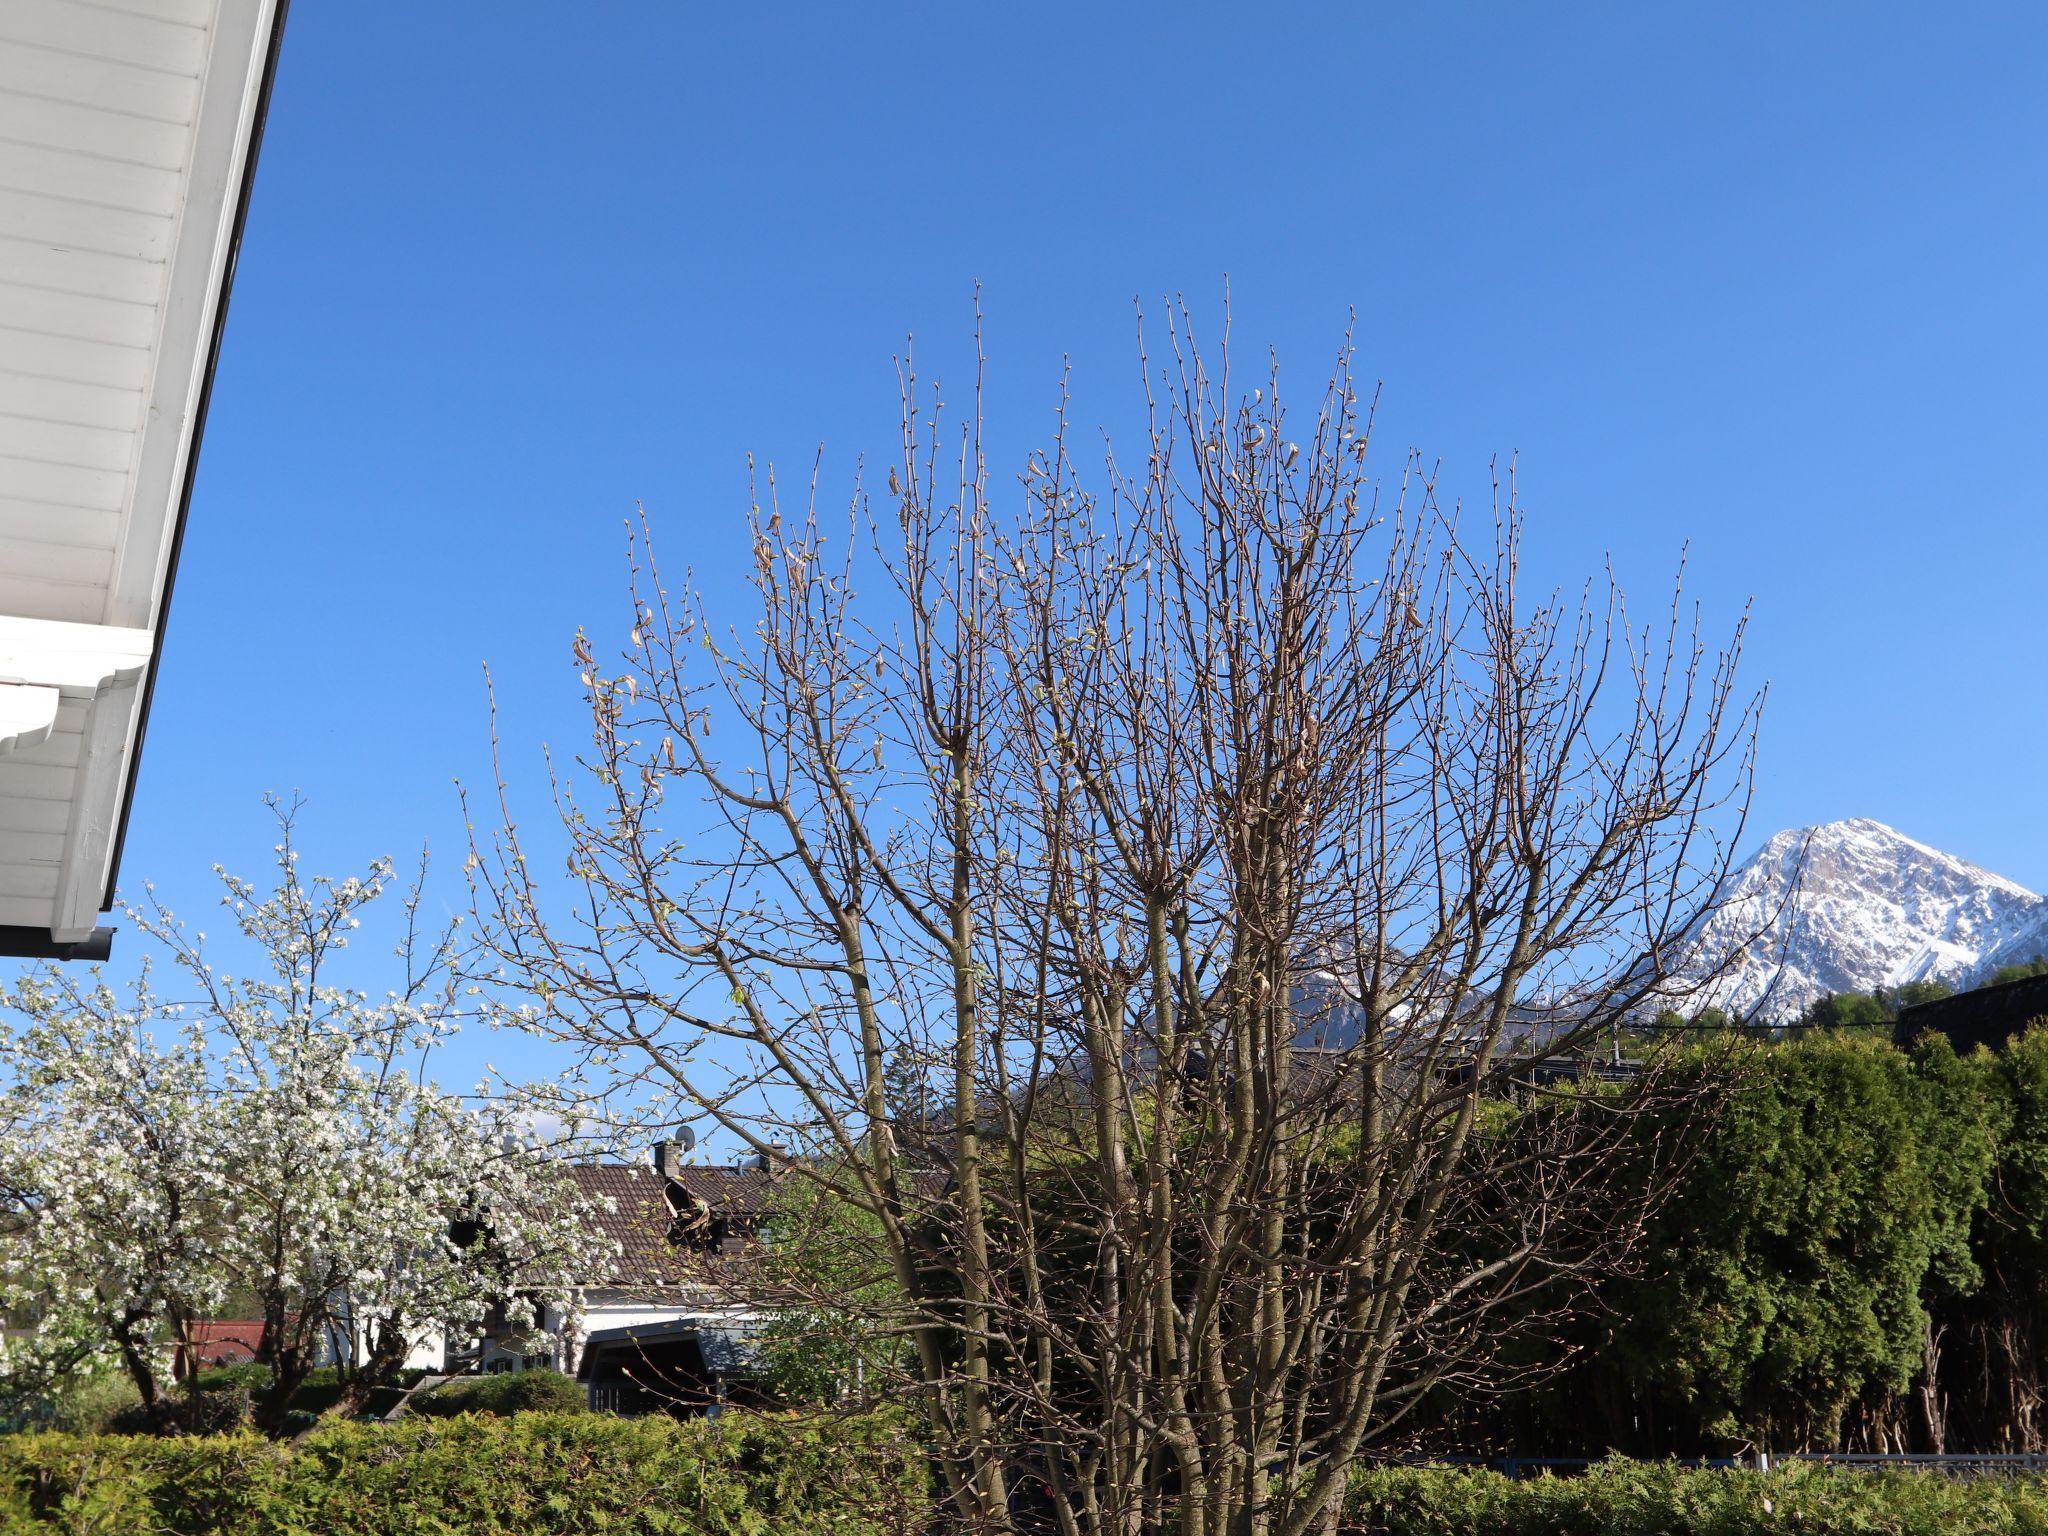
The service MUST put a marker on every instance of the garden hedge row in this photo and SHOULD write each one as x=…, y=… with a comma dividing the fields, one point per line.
x=780, y=1475
x=479, y=1475
x=1624, y=1498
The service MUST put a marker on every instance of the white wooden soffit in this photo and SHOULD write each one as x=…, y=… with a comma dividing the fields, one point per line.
x=43, y=662
x=147, y=279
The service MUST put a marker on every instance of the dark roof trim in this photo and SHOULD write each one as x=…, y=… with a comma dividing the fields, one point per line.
x=163, y=607
x=686, y=1326
x=1981, y=1016
x=723, y=1346
x=19, y=943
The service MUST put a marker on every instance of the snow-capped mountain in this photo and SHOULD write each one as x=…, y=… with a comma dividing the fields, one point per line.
x=1854, y=905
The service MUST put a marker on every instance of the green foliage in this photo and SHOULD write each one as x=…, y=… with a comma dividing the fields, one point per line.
x=1622, y=1498
x=1847, y=1010
x=2014, y=1232
x=88, y=1405
x=1834, y=1189
x=826, y=1259
x=1912, y=994
x=2024, y=971
x=1870, y=1010
x=739, y=1475
x=537, y=1391
x=251, y=1375
x=227, y=1395
x=1707, y=1020
x=216, y=1410
x=1963, y=1122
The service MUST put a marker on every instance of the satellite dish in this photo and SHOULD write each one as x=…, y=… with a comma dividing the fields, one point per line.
x=686, y=1138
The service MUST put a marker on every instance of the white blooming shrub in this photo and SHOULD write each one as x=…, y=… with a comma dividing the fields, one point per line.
x=271, y=1141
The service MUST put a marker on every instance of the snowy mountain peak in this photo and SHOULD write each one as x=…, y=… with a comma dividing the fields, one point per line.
x=1854, y=905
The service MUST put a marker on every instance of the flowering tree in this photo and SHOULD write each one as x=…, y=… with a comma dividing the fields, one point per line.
x=273, y=1137
x=111, y=1249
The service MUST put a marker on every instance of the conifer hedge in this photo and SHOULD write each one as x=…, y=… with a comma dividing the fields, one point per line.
x=781, y=1475
x=1627, y=1498
x=479, y=1475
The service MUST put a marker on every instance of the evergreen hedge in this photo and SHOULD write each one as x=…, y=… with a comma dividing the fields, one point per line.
x=537, y=1391
x=1847, y=1207
x=479, y=1475
x=1625, y=1498
x=781, y=1475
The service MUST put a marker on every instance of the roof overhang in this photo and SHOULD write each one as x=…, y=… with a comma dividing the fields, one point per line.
x=724, y=1339
x=128, y=140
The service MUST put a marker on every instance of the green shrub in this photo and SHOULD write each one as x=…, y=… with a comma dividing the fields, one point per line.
x=107, y=1402
x=220, y=1410
x=88, y=1405
x=249, y=1376
x=739, y=1475
x=324, y=1384
x=513, y=1392
x=1623, y=1498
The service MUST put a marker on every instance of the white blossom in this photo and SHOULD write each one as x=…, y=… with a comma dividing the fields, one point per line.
x=279, y=1141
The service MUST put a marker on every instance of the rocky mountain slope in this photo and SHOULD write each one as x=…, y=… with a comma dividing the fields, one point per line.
x=1855, y=905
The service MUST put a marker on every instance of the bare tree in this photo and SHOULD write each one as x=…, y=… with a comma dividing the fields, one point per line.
x=1142, y=902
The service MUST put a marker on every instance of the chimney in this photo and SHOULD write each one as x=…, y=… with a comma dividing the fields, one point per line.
x=668, y=1159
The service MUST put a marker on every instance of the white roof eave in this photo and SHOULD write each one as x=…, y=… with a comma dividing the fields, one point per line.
x=136, y=132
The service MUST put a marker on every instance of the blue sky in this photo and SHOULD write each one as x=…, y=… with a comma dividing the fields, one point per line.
x=1767, y=279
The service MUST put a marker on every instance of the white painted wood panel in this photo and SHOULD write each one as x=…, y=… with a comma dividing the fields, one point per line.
x=67, y=602
x=35, y=781
x=80, y=405
x=60, y=749
x=141, y=93
x=195, y=13
x=25, y=911
x=34, y=814
x=58, y=442
x=89, y=130
x=76, y=564
x=70, y=360
x=99, y=786
x=93, y=31
x=219, y=148
x=48, y=524
x=81, y=659
x=31, y=847
x=29, y=879
x=125, y=127
x=73, y=484
x=37, y=264
x=89, y=178
x=80, y=225
x=74, y=317
x=28, y=716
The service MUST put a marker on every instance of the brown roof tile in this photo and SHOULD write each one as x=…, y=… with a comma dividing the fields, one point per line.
x=634, y=1211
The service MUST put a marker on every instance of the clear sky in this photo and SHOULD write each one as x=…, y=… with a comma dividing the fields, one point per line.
x=1768, y=279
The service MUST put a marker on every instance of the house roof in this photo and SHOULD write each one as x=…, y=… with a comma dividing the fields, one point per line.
x=245, y=1330
x=633, y=1211
x=226, y=1341
x=128, y=138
